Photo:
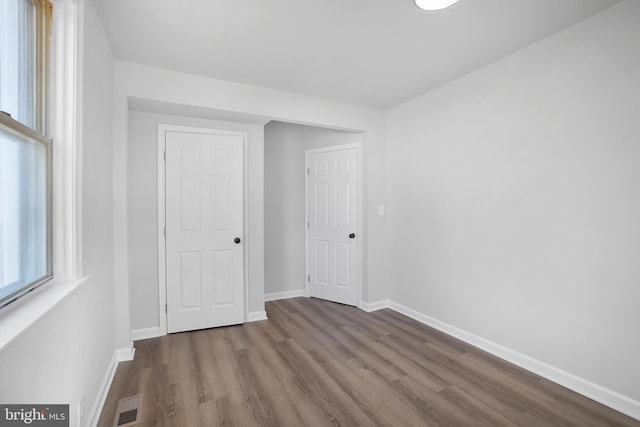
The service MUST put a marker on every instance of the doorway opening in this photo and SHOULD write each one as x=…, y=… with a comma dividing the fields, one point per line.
x=286, y=208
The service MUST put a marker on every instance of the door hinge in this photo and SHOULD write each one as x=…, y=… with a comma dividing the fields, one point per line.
x=165, y=308
x=165, y=155
x=165, y=232
x=308, y=277
x=308, y=224
x=308, y=171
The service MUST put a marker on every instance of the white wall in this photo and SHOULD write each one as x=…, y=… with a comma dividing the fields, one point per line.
x=142, y=173
x=136, y=82
x=284, y=210
x=514, y=201
x=64, y=356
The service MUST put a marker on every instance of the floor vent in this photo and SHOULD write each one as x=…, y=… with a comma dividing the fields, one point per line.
x=129, y=411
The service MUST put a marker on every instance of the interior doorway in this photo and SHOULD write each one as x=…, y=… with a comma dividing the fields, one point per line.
x=285, y=206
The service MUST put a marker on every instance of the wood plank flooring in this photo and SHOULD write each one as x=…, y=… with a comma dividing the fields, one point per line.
x=318, y=363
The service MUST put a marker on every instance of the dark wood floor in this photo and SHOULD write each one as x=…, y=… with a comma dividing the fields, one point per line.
x=318, y=363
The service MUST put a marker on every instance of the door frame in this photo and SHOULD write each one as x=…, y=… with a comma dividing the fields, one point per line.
x=359, y=231
x=162, y=242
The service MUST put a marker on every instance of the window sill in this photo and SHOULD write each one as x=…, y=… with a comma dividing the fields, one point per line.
x=18, y=316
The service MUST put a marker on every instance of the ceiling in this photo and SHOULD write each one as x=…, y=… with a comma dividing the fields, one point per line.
x=372, y=53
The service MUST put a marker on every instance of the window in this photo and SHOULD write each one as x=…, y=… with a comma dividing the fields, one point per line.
x=25, y=150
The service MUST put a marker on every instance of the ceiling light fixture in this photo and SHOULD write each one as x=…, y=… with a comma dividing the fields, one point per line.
x=434, y=4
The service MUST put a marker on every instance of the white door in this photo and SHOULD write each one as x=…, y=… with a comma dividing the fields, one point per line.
x=332, y=197
x=204, y=229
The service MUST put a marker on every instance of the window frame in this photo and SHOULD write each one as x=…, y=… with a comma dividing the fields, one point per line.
x=42, y=43
x=44, y=63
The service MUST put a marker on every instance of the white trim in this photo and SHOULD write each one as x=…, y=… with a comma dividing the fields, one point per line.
x=275, y=296
x=94, y=416
x=67, y=108
x=125, y=354
x=246, y=238
x=360, y=204
x=362, y=239
x=607, y=397
x=256, y=316
x=162, y=243
x=145, y=333
x=373, y=306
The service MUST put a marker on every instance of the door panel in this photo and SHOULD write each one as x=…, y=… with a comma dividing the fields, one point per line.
x=189, y=202
x=343, y=264
x=332, y=185
x=190, y=281
x=222, y=264
x=204, y=213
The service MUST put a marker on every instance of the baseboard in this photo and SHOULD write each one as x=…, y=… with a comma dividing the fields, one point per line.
x=285, y=295
x=118, y=356
x=125, y=354
x=374, y=306
x=256, y=316
x=607, y=397
x=145, y=333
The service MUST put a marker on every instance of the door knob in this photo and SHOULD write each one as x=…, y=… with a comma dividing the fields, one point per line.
x=352, y=236
x=237, y=240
